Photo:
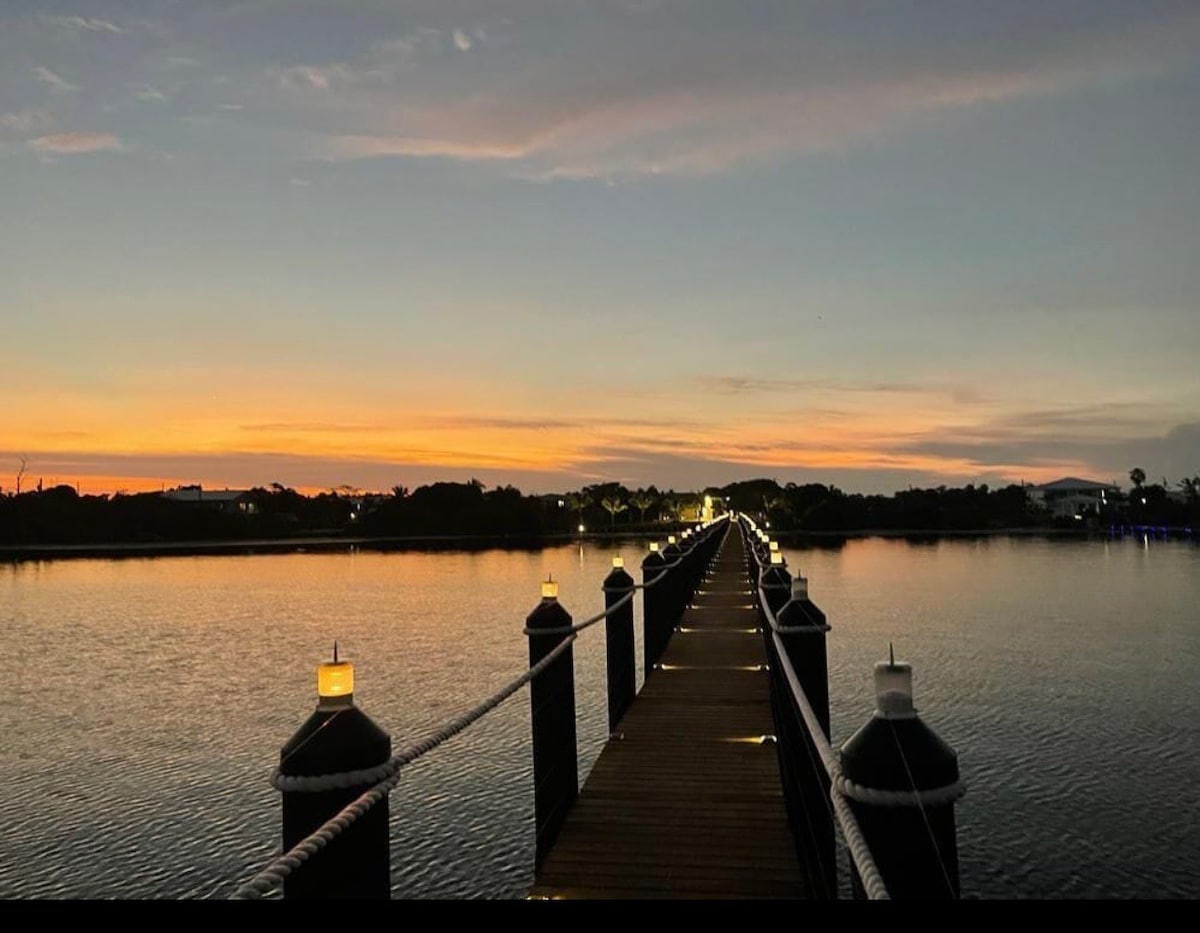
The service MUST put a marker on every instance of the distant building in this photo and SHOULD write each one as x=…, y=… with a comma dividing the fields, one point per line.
x=1072, y=497
x=219, y=500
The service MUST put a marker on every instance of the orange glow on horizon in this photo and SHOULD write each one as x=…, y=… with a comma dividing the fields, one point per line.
x=100, y=444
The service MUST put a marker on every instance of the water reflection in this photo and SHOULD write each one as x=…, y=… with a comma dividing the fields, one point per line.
x=135, y=764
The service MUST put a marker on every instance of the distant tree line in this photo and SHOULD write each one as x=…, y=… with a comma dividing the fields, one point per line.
x=59, y=515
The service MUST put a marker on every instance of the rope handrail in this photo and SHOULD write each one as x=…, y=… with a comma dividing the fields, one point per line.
x=860, y=852
x=387, y=775
x=856, y=843
x=599, y=616
x=275, y=871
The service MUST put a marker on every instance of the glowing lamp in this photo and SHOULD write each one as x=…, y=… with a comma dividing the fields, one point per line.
x=581, y=529
x=670, y=539
x=654, y=546
x=776, y=559
x=618, y=562
x=335, y=681
x=550, y=589
x=774, y=545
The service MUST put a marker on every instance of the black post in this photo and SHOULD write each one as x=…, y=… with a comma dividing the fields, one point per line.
x=619, y=641
x=656, y=628
x=552, y=713
x=802, y=630
x=776, y=585
x=674, y=583
x=337, y=738
x=913, y=839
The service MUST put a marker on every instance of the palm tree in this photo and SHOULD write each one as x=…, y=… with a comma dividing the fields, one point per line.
x=577, y=502
x=613, y=506
x=641, y=501
x=1137, y=476
x=1191, y=487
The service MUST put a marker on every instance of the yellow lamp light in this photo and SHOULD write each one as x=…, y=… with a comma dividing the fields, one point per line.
x=335, y=681
x=670, y=539
x=654, y=546
x=776, y=559
x=618, y=562
x=550, y=589
x=774, y=545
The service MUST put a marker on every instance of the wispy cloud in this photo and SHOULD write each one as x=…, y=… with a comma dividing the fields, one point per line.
x=56, y=81
x=322, y=77
x=84, y=24
x=76, y=143
x=147, y=92
x=314, y=427
x=669, y=98
x=749, y=385
x=24, y=122
x=1087, y=449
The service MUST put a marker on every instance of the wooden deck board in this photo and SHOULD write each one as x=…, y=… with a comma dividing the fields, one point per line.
x=685, y=800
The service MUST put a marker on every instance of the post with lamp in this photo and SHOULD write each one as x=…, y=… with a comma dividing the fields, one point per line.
x=801, y=629
x=552, y=714
x=340, y=740
x=621, y=652
x=902, y=782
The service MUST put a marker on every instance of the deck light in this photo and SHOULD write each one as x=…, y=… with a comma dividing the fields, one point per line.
x=654, y=546
x=776, y=559
x=550, y=588
x=893, y=688
x=670, y=539
x=335, y=681
x=618, y=562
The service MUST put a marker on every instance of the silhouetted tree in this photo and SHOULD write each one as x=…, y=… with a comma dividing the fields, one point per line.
x=641, y=501
x=1137, y=476
x=577, y=502
x=612, y=506
x=21, y=470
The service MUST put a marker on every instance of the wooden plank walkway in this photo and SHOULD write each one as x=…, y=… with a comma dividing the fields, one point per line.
x=685, y=800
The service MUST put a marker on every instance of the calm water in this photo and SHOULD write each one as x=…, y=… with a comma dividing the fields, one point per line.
x=147, y=700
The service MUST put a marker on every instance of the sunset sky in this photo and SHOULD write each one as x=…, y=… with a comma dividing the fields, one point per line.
x=556, y=242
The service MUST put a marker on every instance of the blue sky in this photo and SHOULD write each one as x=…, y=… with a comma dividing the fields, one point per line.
x=557, y=242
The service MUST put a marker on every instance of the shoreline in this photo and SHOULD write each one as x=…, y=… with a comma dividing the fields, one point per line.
x=334, y=543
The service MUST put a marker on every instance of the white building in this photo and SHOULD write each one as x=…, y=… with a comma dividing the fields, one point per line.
x=1071, y=497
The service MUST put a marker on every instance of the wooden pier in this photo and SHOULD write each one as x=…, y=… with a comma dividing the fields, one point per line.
x=685, y=799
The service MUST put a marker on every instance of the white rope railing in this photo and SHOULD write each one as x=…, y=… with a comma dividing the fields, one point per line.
x=860, y=852
x=842, y=788
x=387, y=775
x=283, y=865
x=856, y=843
